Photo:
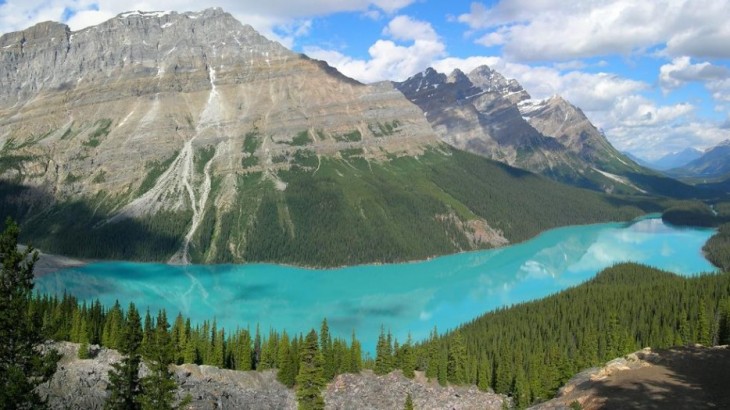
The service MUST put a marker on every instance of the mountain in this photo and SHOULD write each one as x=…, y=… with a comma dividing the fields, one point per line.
x=676, y=159
x=189, y=137
x=484, y=113
x=713, y=164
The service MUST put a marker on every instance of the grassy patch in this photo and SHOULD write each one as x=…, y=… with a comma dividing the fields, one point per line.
x=353, y=136
x=103, y=127
x=202, y=156
x=251, y=141
x=154, y=170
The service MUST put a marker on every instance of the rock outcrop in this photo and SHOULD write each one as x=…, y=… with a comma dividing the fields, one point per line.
x=690, y=377
x=81, y=384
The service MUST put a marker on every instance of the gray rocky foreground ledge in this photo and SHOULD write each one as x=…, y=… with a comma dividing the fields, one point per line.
x=81, y=384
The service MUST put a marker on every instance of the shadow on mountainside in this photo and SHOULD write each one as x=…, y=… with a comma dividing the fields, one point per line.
x=80, y=228
x=680, y=378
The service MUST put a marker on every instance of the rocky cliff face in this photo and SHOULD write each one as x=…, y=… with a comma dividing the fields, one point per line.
x=163, y=111
x=487, y=114
x=82, y=384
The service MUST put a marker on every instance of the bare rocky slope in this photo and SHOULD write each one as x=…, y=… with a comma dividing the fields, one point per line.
x=691, y=377
x=81, y=384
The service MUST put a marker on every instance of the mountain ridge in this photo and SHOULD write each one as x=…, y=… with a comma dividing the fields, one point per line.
x=198, y=140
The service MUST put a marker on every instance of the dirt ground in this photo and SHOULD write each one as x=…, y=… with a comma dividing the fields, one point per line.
x=678, y=378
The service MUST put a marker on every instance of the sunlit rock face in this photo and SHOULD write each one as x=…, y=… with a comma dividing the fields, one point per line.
x=485, y=113
x=164, y=111
x=146, y=87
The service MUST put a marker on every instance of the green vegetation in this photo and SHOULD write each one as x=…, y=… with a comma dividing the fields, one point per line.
x=353, y=136
x=696, y=213
x=22, y=365
x=305, y=158
x=250, y=161
x=531, y=349
x=251, y=141
x=351, y=152
x=301, y=139
x=103, y=127
x=383, y=129
x=358, y=212
x=717, y=248
x=100, y=177
x=155, y=169
x=202, y=156
x=349, y=211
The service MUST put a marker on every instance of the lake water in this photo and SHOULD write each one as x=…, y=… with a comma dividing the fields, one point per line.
x=410, y=297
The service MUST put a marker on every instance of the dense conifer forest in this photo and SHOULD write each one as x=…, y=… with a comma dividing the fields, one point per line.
x=333, y=212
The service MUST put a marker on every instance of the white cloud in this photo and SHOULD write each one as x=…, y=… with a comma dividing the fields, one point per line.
x=388, y=59
x=553, y=30
x=681, y=71
x=405, y=28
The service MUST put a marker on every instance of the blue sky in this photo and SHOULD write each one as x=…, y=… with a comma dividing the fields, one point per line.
x=655, y=76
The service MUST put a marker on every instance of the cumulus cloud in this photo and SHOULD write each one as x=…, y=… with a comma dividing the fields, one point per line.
x=550, y=30
x=681, y=71
x=389, y=60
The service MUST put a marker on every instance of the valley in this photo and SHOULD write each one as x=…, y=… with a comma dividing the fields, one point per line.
x=443, y=229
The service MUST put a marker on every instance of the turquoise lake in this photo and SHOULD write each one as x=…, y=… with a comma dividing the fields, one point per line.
x=409, y=297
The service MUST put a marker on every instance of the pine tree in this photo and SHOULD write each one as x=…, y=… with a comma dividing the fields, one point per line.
x=355, y=355
x=22, y=367
x=456, y=370
x=383, y=355
x=408, y=359
x=285, y=360
x=703, y=325
x=310, y=380
x=124, y=377
x=327, y=352
x=158, y=388
x=432, y=356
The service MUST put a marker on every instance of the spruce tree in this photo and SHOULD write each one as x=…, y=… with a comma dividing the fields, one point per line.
x=327, y=351
x=285, y=360
x=408, y=359
x=310, y=380
x=383, y=354
x=158, y=388
x=124, y=378
x=22, y=366
x=355, y=355
x=456, y=368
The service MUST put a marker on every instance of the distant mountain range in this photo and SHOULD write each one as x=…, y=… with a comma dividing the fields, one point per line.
x=189, y=137
x=671, y=160
x=714, y=163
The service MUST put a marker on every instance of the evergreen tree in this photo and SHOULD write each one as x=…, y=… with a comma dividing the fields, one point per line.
x=285, y=359
x=310, y=380
x=408, y=359
x=124, y=378
x=456, y=370
x=355, y=355
x=383, y=355
x=158, y=388
x=703, y=325
x=327, y=352
x=22, y=367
